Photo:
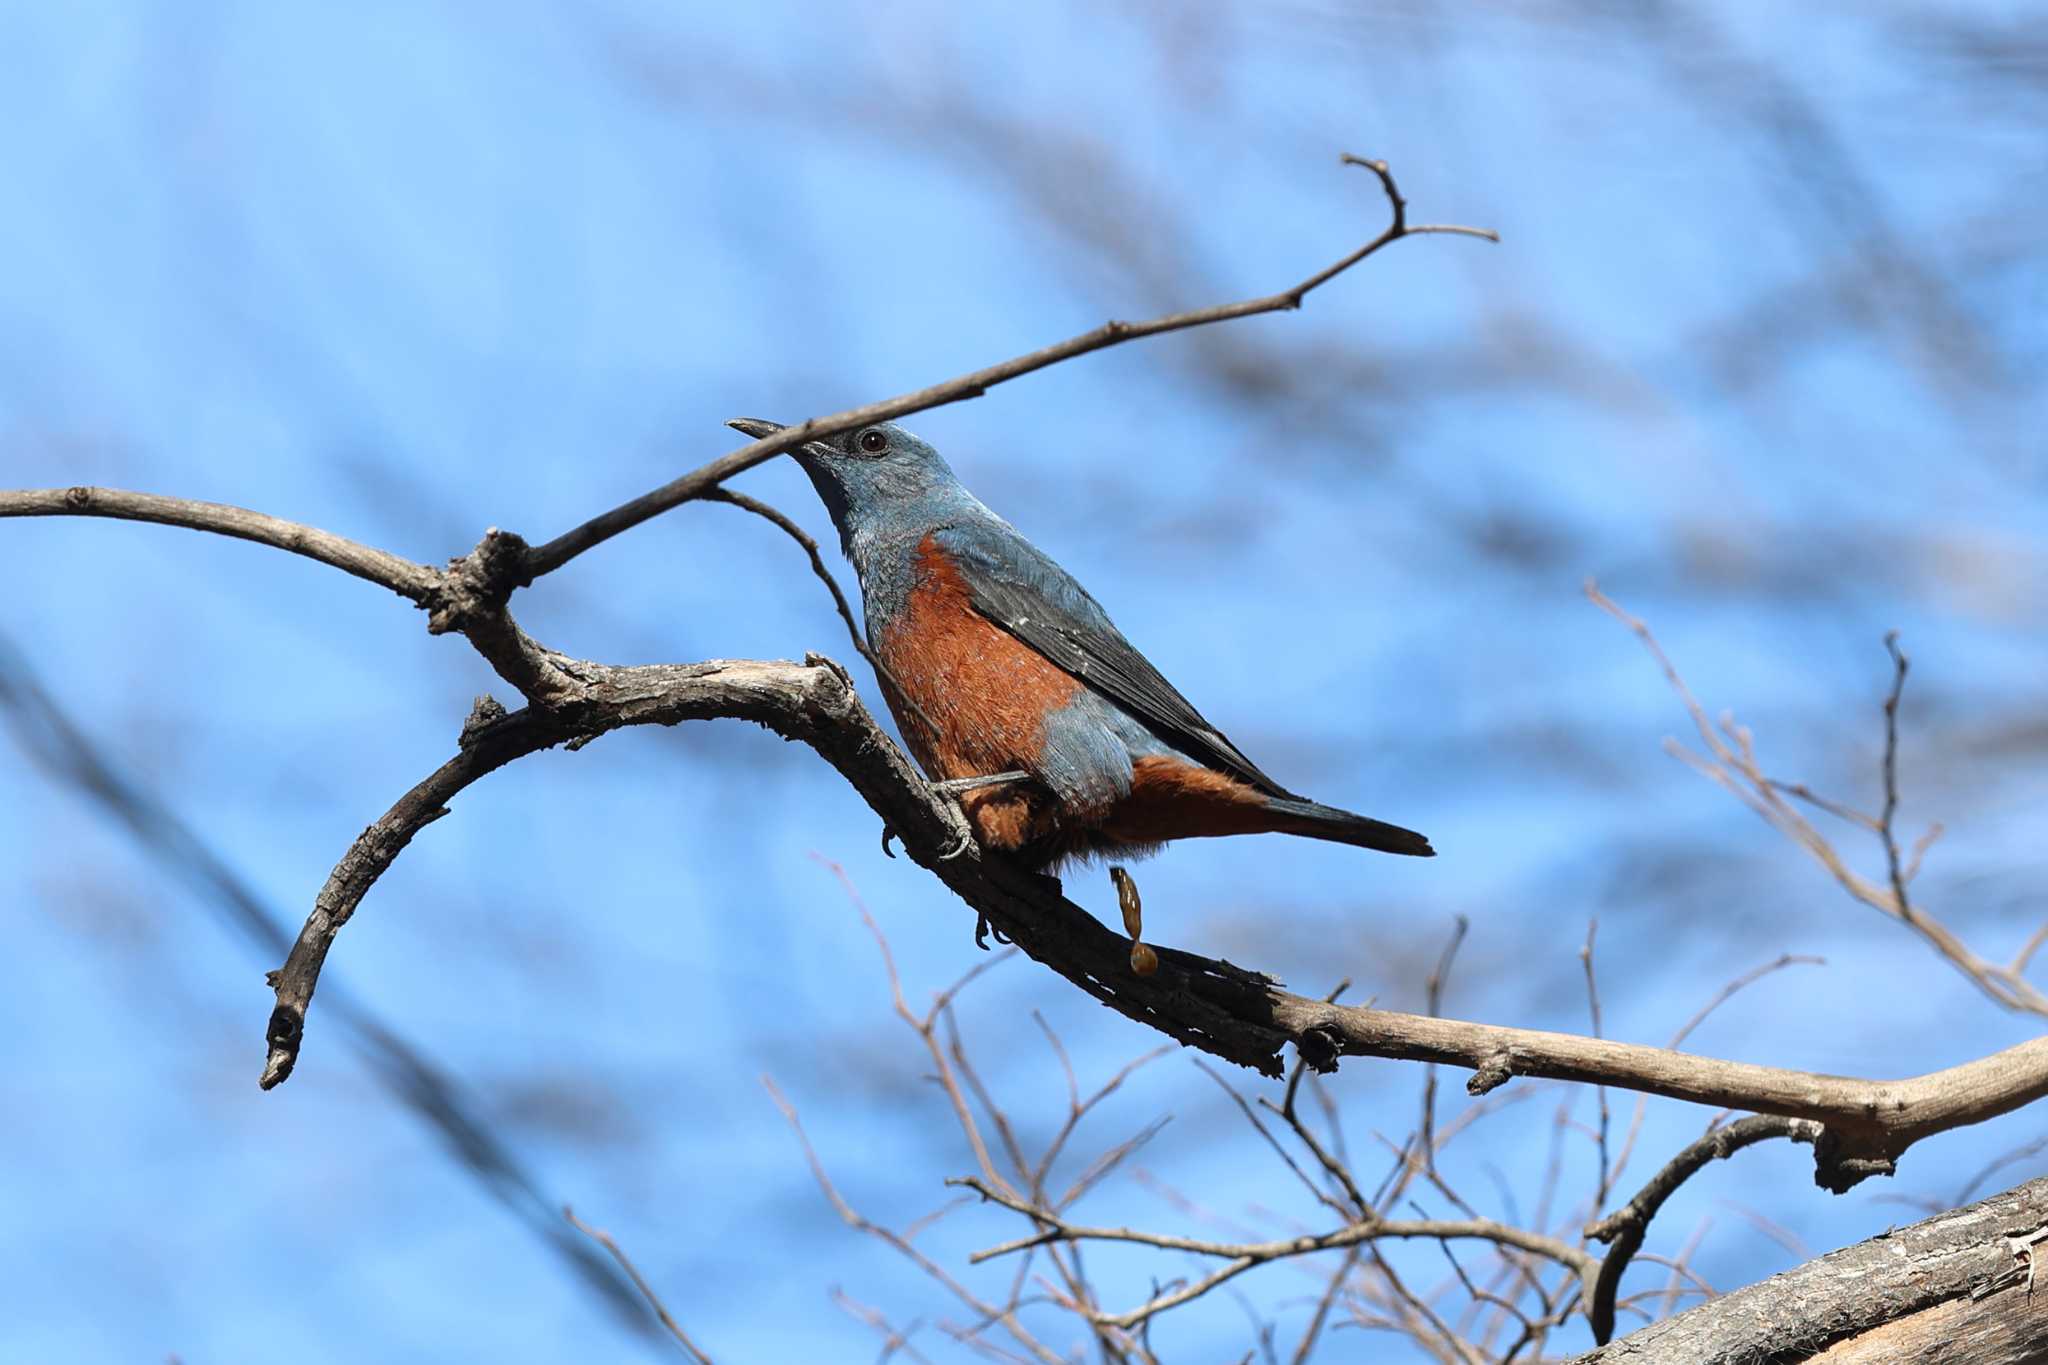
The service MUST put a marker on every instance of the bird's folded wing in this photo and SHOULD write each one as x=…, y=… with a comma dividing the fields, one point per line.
x=1015, y=585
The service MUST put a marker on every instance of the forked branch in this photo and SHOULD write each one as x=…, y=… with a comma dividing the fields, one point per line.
x=1730, y=760
x=1235, y=1014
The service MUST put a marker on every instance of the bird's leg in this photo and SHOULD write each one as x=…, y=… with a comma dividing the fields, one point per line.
x=1144, y=961
x=956, y=786
x=952, y=786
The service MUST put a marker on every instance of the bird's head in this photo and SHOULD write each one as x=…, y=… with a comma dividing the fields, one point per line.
x=870, y=474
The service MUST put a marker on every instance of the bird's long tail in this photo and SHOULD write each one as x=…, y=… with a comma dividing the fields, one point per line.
x=1317, y=821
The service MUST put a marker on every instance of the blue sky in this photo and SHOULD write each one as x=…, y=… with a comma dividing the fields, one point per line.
x=1760, y=349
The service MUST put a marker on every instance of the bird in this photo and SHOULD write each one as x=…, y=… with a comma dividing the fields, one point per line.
x=1016, y=692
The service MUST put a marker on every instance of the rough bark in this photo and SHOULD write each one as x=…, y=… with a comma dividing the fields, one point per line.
x=1956, y=1288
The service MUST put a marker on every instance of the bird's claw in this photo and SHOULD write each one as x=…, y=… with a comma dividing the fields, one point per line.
x=966, y=842
x=982, y=930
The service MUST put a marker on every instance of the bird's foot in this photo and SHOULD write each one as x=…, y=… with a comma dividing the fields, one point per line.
x=982, y=930
x=890, y=836
x=1144, y=961
x=954, y=787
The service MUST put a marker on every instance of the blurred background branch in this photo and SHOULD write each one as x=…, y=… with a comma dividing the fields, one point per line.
x=469, y=1137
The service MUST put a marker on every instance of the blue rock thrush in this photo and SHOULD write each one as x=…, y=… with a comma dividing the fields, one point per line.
x=997, y=664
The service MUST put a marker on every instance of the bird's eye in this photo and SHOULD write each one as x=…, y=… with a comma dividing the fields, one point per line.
x=873, y=442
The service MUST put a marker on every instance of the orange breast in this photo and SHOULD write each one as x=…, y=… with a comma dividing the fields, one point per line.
x=978, y=698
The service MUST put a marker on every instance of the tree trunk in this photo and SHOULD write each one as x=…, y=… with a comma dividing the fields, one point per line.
x=1957, y=1288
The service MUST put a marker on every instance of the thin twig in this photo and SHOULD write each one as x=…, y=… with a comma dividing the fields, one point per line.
x=1312, y=1333
x=2025, y=1152
x=1439, y=979
x=734, y=498
x=1685, y=1030
x=1455, y=1347
x=1890, y=768
x=1626, y=1227
x=1603, y=1186
x=926, y=1028
x=605, y=1240
x=1242, y=1256
x=1244, y=1107
x=1730, y=761
x=1748, y=978
x=895, y=1341
x=774, y=517
x=860, y=1222
x=1791, y=1241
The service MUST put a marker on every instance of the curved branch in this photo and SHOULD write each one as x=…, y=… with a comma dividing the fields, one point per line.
x=368, y=857
x=402, y=576
x=1626, y=1227
x=547, y=558
x=785, y=697
x=824, y=575
x=810, y=548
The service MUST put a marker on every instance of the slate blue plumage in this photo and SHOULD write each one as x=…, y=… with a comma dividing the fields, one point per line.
x=995, y=660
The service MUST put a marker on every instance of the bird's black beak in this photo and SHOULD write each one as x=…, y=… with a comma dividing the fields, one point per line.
x=756, y=428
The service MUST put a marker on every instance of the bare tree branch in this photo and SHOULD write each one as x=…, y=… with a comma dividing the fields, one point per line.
x=402, y=576
x=1232, y=1013
x=1626, y=1227
x=547, y=558
x=902, y=1245
x=1730, y=760
x=895, y=1340
x=810, y=549
x=605, y=1240
x=824, y=575
x=1243, y=1256
x=470, y=595
x=1720, y=998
